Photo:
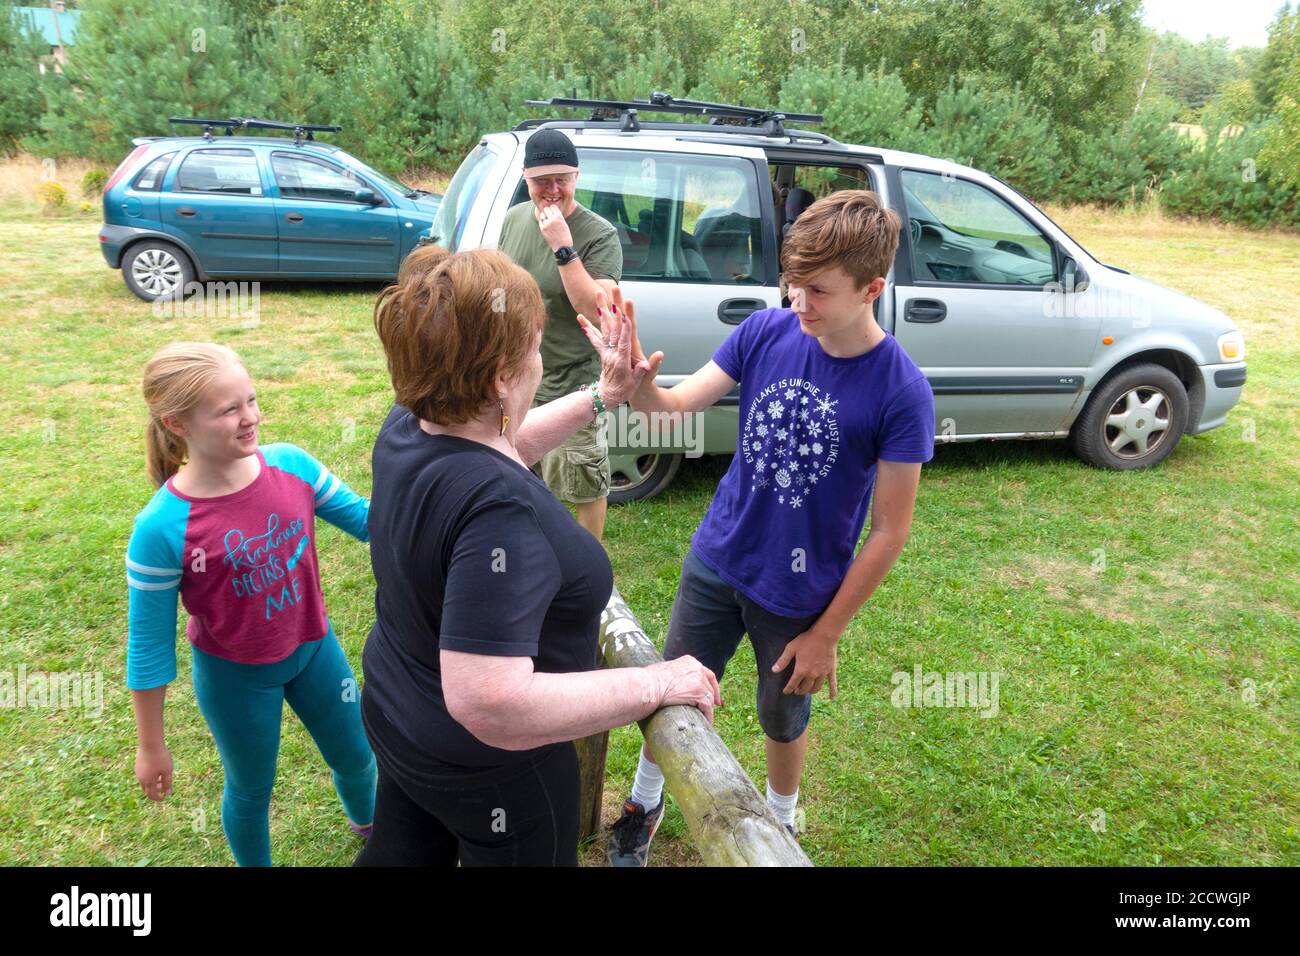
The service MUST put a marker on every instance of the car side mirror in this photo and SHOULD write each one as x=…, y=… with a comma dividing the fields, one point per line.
x=1073, y=276
x=366, y=196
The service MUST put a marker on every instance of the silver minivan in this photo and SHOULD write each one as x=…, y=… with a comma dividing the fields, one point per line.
x=1020, y=331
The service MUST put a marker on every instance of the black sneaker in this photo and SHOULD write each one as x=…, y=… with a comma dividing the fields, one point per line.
x=629, y=843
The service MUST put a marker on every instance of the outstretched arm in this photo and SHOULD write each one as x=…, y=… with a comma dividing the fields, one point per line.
x=698, y=392
x=547, y=426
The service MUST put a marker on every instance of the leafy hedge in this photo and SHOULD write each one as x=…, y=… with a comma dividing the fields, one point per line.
x=424, y=81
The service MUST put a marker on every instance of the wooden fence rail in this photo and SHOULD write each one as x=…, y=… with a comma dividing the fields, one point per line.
x=730, y=821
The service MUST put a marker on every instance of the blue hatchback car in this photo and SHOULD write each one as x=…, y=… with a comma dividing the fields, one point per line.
x=191, y=208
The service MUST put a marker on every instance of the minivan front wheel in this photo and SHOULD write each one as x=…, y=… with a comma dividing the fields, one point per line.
x=1134, y=419
x=156, y=270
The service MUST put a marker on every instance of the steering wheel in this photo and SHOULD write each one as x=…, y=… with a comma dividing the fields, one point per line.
x=915, y=225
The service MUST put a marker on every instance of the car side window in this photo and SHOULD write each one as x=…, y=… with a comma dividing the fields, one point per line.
x=964, y=233
x=228, y=171
x=150, y=178
x=679, y=218
x=301, y=177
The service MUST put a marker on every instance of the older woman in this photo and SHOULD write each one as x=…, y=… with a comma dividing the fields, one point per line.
x=480, y=668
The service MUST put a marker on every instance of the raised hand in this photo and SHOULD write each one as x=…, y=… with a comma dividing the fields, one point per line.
x=619, y=378
x=621, y=306
x=554, y=228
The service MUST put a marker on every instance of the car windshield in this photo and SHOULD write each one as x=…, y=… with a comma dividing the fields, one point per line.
x=1034, y=205
x=389, y=181
x=449, y=226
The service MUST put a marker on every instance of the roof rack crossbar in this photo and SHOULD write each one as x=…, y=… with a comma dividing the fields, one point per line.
x=770, y=121
x=704, y=129
x=300, y=131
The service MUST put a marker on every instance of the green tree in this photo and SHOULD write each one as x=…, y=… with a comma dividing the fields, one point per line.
x=1280, y=153
x=290, y=85
x=20, y=79
x=1278, y=58
x=1193, y=73
x=1002, y=132
x=1126, y=164
x=871, y=108
x=135, y=64
x=1224, y=180
x=413, y=98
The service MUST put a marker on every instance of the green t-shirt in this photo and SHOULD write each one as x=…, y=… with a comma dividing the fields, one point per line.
x=568, y=360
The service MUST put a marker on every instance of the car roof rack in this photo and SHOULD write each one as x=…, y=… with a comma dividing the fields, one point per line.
x=300, y=131
x=723, y=117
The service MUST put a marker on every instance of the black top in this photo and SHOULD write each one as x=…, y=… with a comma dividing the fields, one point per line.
x=471, y=552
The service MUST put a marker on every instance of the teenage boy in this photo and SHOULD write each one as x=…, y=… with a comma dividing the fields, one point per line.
x=832, y=408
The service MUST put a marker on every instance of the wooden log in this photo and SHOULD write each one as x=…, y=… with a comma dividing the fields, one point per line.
x=729, y=820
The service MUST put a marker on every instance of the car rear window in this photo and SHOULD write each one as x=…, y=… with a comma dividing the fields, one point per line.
x=151, y=177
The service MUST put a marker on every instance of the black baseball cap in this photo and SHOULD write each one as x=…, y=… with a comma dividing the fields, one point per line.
x=549, y=152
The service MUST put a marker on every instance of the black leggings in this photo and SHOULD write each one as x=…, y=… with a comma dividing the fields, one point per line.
x=530, y=818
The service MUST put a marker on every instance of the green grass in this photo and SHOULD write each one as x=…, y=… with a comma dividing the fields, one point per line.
x=1122, y=689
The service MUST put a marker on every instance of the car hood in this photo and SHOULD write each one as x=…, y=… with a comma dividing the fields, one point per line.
x=1167, y=304
x=428, y=204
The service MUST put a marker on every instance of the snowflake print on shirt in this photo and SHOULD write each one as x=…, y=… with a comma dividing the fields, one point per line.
x=791, y=430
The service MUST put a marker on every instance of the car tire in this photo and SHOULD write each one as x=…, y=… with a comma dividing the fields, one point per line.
x=153, y=270
x=638, y=477
x=1134, y=419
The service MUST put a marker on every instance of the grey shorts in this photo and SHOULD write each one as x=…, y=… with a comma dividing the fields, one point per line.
x=709, y=618
x=578, y=470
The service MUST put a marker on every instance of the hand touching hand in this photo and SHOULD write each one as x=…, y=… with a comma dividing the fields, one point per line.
x=619, y=377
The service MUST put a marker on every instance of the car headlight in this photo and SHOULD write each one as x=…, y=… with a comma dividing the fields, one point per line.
x=1232, y=347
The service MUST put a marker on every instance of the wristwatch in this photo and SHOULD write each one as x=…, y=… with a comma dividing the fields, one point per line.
x=565, y=254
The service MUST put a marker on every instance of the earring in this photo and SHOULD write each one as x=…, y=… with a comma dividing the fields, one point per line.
x=505, y=419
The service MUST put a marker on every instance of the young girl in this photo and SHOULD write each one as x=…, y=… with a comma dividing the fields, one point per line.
x=230, y=531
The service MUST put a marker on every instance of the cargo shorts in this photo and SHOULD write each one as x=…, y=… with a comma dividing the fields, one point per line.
x=578, y=470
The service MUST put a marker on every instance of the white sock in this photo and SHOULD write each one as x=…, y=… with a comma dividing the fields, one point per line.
x=648, y=788
x=781, y=805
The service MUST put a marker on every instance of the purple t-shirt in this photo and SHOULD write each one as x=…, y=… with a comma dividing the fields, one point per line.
x=787, y=515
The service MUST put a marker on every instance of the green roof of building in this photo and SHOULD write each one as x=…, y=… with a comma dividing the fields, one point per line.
x=42, y=20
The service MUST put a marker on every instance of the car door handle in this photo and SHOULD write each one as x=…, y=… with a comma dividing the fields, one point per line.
x=735, y=311
x=294, y=217
x=924, y=310
x=186, y=211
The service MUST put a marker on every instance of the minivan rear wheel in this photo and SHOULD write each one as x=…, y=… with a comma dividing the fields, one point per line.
x=154, y=270
x=636, y=477
x=1133, y=420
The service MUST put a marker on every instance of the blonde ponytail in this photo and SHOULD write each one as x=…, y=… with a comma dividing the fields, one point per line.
x=174, y=382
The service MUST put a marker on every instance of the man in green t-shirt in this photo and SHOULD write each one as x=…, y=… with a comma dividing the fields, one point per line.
x=573, y=254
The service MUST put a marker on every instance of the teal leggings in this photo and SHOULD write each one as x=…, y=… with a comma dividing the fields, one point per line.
x=243, y=703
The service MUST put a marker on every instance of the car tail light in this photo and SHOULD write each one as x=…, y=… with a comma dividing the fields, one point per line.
x=123, y=166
